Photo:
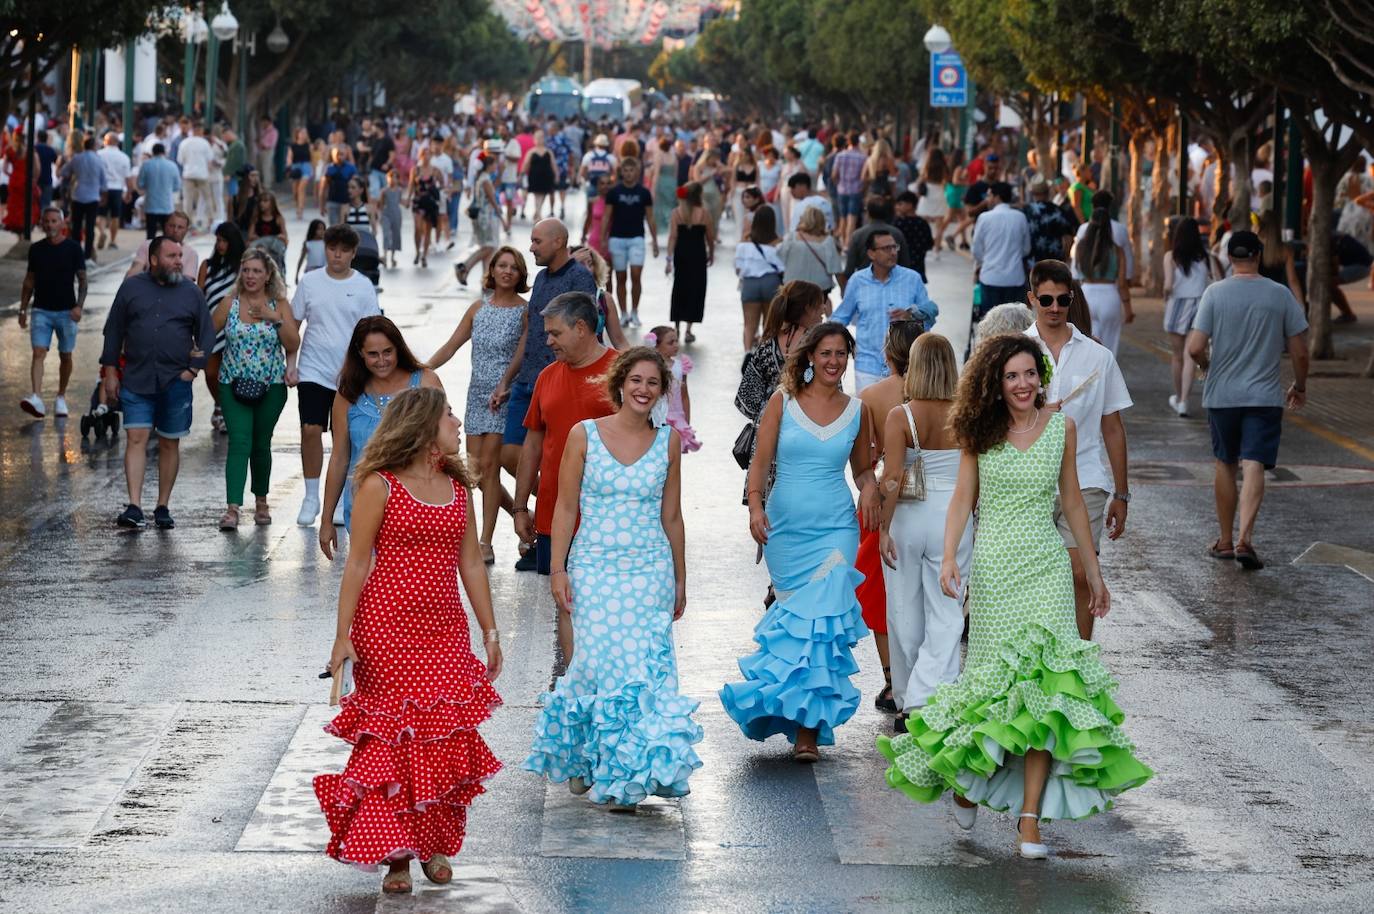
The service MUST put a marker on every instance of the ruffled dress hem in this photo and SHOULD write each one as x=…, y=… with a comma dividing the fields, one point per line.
x=799, y=677
x=1041, y=692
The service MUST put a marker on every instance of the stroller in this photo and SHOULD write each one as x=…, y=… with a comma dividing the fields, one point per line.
x=367, y=260
x=102, y=421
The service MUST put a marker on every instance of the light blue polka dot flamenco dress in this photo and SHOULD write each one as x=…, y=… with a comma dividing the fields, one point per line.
x=616, y=720
x=799, y=676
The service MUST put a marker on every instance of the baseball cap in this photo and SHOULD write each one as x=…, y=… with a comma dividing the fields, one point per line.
x=993, y=157
x=601, y=140
x=1244, y=245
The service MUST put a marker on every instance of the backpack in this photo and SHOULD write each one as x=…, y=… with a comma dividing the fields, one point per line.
x=599, y=165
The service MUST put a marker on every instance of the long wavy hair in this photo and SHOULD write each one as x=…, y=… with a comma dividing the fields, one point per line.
x=1094, y=252
x=274, y=286
x=980, y=416
x=353, y=377
x=794, y=371
x=409, y=426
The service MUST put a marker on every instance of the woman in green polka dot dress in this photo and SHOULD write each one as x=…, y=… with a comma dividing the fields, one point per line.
x=1030, y=724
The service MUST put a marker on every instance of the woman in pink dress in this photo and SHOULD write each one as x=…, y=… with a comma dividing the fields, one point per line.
x=418, y=761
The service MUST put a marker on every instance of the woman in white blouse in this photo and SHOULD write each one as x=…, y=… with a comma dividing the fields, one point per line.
x=759, y=270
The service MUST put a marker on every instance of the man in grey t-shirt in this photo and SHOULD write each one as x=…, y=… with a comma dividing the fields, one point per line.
x=1250, y=322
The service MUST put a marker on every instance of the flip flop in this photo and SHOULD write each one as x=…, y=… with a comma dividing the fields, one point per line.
x=1218, y=553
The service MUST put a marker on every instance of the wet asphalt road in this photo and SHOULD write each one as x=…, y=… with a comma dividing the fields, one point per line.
x=159, y=712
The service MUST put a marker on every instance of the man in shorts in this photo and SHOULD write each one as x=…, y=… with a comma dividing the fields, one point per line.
x=846, y=177
x=119, y=188
x=1250, y=322
x=329, y=303
x=1087, y=386
x=629, y=207
x=160, y=326
x=56, y=265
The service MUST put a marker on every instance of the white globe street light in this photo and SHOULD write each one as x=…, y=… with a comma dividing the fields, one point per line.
x=196, y=29
x=224, y=25
x=937, y=40
x=277, y=40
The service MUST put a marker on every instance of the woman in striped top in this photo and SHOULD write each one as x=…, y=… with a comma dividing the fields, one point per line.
x=217, y=276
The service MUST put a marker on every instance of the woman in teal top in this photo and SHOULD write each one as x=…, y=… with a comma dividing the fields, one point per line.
x=377, y=366
x=252, y=378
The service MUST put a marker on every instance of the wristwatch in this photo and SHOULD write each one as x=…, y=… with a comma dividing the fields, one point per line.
x=1122, y=496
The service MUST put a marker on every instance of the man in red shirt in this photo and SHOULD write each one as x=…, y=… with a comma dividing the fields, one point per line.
x=566, y=392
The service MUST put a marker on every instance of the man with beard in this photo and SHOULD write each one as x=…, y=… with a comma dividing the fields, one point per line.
x=161, y=327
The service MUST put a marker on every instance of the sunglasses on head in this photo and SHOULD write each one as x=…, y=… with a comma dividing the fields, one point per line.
x=1049, y=301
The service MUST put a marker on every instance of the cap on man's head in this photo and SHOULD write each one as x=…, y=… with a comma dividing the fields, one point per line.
x=1243, y=246
x=992, y=157
x=601, y=140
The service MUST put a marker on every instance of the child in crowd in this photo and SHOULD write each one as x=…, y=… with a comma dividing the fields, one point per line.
x=679, y=402
x=312, y=252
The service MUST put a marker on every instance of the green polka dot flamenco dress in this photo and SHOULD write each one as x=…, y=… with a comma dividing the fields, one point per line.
x=1029, y=682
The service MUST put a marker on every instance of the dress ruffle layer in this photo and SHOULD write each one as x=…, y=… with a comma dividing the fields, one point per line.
x=412, y=774
x=1041, y=691
x=799, y=677
x=627, y=744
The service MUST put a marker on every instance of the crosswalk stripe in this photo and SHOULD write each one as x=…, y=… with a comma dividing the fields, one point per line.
x=59, y=783
x=575, y=827
x=287, y=817
x=474, y=890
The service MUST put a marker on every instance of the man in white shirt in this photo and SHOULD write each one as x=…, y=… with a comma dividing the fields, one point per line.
x=193, y=155
x=329, y=303
x=1001, y=243
x=119, y=187
x=1087, y=386
x=799, y=186
x=1103, y=199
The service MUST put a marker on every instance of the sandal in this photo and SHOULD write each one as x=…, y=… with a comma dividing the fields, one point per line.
x=488, y=553
x=1248, y=559
x=229, y=520
x=262, y=516
x=437, y=869
x=397, y=882
x=884, y=701
x=1216, y=552
x=806, y=755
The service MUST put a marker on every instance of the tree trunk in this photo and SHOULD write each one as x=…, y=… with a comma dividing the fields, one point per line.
x=1135, y=199
x=1239, y=210
x=1325, y=173
x=1161, y=202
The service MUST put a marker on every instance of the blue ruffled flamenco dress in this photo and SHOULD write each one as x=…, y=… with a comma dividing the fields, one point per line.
x=799, y=676
x=616, y=719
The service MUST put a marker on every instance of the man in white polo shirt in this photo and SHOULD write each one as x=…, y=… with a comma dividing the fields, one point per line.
x=1087, y=386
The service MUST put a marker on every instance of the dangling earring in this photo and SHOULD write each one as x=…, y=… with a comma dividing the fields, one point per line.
x=809, y=375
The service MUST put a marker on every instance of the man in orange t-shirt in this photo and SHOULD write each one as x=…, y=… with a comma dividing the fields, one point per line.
x=565, y=393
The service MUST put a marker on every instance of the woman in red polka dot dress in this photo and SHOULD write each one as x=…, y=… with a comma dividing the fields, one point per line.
x=418, y=761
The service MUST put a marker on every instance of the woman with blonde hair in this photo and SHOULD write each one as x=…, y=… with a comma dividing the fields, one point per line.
x=923, y=625
x=418, y=761
x=616, y=726
x=810, y=253
x=1030, y=724
x=259, y=332
x=879, y=169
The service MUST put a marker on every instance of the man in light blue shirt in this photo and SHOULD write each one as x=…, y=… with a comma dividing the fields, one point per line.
x=810, y=149
x=876, y=296
x=87, y=174
x=160, y=181
x=1001, y=243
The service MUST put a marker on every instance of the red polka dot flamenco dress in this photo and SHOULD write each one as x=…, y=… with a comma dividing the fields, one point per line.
x=417, y=761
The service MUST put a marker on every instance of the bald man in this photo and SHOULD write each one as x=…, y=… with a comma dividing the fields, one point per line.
x=549, y=245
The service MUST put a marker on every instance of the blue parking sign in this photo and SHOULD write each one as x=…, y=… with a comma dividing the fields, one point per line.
x=948, y=81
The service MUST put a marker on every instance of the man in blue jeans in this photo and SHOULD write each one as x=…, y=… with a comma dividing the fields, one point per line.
x=160, y=325
x=561, y=273
x=55, y=264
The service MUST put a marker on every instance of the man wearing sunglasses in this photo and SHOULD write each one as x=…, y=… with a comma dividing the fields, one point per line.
x=880, y=293
x=1087, y=386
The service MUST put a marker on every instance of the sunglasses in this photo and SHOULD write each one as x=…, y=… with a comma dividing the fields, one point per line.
x=1050, y=301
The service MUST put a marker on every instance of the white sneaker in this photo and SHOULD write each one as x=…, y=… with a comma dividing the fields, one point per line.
x=33, y=405
x=1173, y=402
x=59, y=408
x=310, y=508
x=339, y=514
x=1182, y=407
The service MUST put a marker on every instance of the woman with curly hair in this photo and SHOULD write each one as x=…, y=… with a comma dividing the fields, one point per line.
x=417, y=761
x=797, y=682
x=616, y=726
x=1030, y=723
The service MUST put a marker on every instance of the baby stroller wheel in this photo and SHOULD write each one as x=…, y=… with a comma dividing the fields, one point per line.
x=112, y=420
x=85, y=426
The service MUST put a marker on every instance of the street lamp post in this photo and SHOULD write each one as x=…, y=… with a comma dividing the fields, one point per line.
x=222, y=28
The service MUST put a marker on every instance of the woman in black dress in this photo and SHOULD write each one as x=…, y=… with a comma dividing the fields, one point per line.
x=426, y=188
x=541, y=174
x=691, y=250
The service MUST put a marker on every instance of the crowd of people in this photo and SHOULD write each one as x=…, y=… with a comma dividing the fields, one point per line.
x=984, y=491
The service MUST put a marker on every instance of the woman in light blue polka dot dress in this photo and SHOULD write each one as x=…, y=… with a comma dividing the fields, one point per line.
x=615, y=727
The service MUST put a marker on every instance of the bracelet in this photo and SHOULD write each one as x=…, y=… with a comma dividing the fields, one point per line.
x=491, y=636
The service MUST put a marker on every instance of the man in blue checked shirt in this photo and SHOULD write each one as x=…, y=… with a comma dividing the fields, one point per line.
x=876, y=296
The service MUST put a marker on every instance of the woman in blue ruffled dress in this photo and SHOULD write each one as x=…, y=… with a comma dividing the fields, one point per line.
x=797, y=682
x=615, y=727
